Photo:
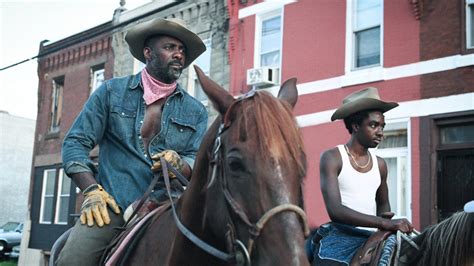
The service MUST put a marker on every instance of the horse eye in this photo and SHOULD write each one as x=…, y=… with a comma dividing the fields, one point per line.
x=235, y=164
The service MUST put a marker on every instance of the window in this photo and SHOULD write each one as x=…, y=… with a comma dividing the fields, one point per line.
x=394, y=150
x=470, y=23
x=47, y=196
x=269, y=39
x=97, y=77
x=204, y=62
x=55, y=197
x=56, y=104
x=62, y=201
x=367, y=41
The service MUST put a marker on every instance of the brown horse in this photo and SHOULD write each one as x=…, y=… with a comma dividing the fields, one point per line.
x=245, y=194
x=450, y=242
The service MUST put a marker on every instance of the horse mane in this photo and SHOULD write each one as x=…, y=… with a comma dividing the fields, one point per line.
x=279, y=137
x=450, y=242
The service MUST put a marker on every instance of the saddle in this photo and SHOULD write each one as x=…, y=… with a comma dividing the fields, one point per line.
x=119, y=248
x=369, y=253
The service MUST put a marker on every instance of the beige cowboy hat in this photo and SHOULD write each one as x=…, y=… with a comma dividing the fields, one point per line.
x=365, y=99
x=176, y=28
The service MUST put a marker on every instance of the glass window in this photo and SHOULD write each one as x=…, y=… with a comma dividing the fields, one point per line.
x=62, y=201
x=367, y=33
x=97, y=78
x=49, y=182
x=204, y=62
x=270, y=42
x=394, y=150
x=470, y=23
x=457, y=134
x=56, y=104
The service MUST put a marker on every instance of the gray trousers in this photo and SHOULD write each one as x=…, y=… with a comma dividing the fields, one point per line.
x=85, y=244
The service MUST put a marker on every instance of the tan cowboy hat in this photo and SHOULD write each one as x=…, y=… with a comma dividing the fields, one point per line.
x=366, y=99
x=176, y=28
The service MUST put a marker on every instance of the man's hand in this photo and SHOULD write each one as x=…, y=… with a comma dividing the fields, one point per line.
x=95, y=204
x=402, y=225
x=171, y=157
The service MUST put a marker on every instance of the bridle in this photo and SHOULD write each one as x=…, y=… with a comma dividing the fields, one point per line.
x=239, y=253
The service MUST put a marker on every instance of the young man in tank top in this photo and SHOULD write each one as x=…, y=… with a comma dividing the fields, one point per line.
x=354, y=182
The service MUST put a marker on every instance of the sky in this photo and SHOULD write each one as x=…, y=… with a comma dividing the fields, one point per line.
x=24, y=24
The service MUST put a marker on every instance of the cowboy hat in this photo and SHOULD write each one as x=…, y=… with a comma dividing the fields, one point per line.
x=176, y=28
x=365, y=99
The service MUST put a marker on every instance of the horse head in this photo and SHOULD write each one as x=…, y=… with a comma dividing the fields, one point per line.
x=248, y=175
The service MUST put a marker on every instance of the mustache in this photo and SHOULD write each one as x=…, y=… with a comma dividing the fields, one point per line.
x=175, y=62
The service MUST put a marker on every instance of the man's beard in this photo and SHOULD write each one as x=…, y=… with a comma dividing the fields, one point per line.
x=163, y=71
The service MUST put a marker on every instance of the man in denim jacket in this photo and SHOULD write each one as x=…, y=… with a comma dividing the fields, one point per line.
x=125, y=116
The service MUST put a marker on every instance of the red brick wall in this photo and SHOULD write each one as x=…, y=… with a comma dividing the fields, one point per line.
x=318, y=139
x=314, y=40
x=74, y=64
x=441, y=29
x=456, y=81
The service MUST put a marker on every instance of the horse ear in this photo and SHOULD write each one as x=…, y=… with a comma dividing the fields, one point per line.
x=216, y=94
x=288, y=92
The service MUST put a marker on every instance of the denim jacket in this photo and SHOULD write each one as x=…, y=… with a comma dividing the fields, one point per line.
x=112, y=118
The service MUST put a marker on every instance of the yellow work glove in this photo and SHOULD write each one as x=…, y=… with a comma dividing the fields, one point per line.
x=171, y=157
x=95, y=204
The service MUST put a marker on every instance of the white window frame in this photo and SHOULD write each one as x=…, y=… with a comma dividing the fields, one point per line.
x=398, y=153
x=259, y=18
x=59, y=195
x=43, y=195
x=469, y=25
x=350, y=53
x=94, y=73
x=192, y=77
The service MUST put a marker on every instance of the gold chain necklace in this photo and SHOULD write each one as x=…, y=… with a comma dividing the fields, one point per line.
x=354, y=159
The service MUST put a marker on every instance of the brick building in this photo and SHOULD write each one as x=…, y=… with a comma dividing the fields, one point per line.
x=418, y=53
x=69, y=70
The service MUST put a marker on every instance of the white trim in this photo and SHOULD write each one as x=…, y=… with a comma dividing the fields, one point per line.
x=415, y=108
x=59, y=195
x=350, y=54
x=397, y=153
x=380, y=73
x=263, y=7
x=43, y=190
x=258, y=35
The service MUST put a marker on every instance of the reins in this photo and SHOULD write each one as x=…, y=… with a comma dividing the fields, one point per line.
x=240, y=253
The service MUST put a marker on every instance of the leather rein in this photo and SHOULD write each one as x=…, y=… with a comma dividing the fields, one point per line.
x=239, y=254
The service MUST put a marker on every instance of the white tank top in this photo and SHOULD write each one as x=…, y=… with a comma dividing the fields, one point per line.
x=358, y=189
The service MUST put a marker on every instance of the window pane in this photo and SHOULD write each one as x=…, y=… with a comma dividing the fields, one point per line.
x=66, y=184
x=457, y=134
x=47, y=209
x=63, y=209
x=204, y=60
x=50, y=178
x=97, y=79
x=270, y=59
x=392, y=182
x=394, y=139
x=198, y=92
x=368, y=47
x=368, y=14
x=271, y=42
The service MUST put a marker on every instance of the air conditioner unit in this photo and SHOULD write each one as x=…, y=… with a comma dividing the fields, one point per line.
x=263, y=76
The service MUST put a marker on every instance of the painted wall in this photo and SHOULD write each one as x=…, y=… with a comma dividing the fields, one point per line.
x=16, y=153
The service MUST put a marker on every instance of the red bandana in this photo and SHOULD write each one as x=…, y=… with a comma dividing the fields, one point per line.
x=153, y=89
